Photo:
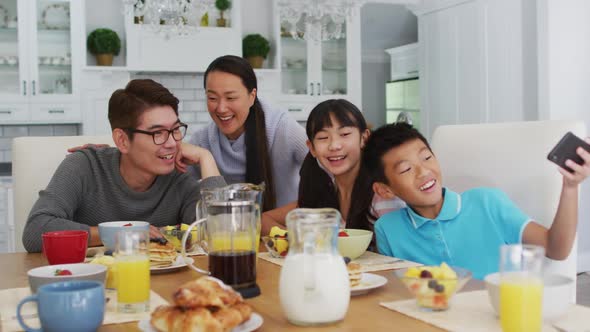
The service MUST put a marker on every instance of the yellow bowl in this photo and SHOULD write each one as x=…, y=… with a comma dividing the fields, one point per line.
x=355, y=244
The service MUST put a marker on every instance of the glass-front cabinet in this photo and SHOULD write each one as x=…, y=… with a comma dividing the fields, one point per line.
x=40, y=42
x=314, y=70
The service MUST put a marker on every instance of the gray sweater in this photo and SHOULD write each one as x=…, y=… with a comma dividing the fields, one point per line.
x=286, y=143
x=87, y=189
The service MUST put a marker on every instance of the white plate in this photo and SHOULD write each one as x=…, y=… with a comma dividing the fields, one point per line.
x=251, y=324
x=56, y=16
x=368, y=281
x=178, y=264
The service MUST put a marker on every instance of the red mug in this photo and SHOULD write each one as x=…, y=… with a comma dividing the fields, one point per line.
x=63, y=247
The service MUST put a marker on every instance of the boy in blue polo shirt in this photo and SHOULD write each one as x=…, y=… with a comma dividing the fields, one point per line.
x=465, y=229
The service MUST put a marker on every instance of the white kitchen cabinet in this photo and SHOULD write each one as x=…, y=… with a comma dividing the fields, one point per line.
x=40, y=48
x=404, y=61
x=472, y=62
x=148, y=50
x=313, y=71
x=98, y=87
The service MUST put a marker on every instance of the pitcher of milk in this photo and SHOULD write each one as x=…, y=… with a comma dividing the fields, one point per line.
x=314, y=288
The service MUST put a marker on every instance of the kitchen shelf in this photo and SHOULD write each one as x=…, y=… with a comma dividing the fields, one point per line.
x=106, y=68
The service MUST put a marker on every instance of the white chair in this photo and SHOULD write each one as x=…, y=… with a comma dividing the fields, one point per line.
x=34, y=160
x=513, y=158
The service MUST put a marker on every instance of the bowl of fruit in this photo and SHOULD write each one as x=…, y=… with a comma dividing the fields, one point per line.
x=353, y=242
x=277, y=242
x=65, y=272
x=433, y=286
x=175, y=233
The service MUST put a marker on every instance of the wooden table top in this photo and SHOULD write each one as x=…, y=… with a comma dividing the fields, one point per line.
x=364, y=311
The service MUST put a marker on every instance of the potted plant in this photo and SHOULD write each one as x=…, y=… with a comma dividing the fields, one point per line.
x=104, y=43
x=255, y=49
x=222, y=5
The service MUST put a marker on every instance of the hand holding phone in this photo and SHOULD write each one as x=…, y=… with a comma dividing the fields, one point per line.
x=566, y=149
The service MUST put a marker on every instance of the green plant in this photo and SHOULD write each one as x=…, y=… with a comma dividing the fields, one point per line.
x=222, y=5
x=255, y=45
x=103, y=41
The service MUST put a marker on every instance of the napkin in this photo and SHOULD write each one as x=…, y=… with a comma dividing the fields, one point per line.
x=11, y=297
x=369, y=261
x=472, y=312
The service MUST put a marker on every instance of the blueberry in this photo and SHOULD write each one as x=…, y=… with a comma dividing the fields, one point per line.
x=346, y=259
x=432, y=284
x=270, y=244
x=425, y=274
x=439, y=288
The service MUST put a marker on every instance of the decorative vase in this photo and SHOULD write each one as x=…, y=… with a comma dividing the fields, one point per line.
x=104, y=59
x=221, y=22
x=255, y=61
x=205, y=20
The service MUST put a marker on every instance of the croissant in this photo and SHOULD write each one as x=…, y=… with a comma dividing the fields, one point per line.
x=205, y=292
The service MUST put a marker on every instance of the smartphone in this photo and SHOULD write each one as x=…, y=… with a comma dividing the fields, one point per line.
x=566, y=149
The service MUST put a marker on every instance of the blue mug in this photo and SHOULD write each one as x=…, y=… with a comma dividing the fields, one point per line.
x=67, y=306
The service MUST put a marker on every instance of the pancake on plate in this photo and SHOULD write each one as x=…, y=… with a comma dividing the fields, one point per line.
x=162, y=253
x=354, y=273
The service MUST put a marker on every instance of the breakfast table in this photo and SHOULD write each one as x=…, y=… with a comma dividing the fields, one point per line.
x=364, y=311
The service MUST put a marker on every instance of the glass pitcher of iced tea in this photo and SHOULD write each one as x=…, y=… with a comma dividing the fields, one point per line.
x=314, y=287
x=230, y=228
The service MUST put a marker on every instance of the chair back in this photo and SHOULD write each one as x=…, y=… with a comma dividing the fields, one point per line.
x=512, y=157
x=34, y=160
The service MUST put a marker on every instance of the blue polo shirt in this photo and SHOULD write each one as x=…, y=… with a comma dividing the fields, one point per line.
x=468, y=231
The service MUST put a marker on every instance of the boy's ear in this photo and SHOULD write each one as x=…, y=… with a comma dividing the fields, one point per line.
x=121, y=140
x=310, y=147
x=364, y=137
x=383, y=190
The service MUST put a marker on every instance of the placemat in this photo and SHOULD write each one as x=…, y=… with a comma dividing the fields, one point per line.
x=369, y=261
x=11, y=297
x=472, y=311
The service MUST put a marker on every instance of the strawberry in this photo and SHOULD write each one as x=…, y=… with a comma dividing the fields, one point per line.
x=342, y=234
x=59, y=272
x=127, y=225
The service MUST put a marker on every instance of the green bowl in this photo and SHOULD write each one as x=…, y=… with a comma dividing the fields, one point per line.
x=355, y=244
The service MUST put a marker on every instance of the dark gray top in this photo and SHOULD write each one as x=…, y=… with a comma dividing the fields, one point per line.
x=87, y=189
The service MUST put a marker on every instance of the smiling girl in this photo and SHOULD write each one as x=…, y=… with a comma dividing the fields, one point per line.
x=332, y=174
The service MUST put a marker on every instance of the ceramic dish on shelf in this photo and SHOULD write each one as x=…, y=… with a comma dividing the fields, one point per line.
x=3, y=17
x=56, y=16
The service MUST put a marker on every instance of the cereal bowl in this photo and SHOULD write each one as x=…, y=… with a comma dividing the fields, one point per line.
x=433, y=286
x=56, y=273
x=353, y=242
x=108, y=230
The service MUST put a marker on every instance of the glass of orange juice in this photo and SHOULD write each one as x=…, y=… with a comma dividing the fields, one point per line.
x=521, y=287
x=132, y=266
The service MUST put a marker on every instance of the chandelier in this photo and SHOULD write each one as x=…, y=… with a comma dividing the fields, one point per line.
x=317, y=20
x=169, y=17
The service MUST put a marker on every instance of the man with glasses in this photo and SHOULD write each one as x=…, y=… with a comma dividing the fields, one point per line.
x=137, y=180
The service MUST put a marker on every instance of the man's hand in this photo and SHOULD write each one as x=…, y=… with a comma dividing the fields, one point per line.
x=86, y=146
x=155, y=232
x=580, y=173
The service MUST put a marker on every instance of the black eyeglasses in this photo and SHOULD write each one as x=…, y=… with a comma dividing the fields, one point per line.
x=161, y=136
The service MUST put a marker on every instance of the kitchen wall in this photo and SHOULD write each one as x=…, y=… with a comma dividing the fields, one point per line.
x=7, y=133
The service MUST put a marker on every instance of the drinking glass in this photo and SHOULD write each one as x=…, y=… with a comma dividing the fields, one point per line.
x=521, y=287
x=132, y=266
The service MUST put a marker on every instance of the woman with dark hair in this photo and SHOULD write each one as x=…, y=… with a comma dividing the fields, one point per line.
x=332, y=174
x=250, y=141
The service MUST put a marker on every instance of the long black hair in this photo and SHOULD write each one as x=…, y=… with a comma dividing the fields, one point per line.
x=258, y=163
x=316, y=189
